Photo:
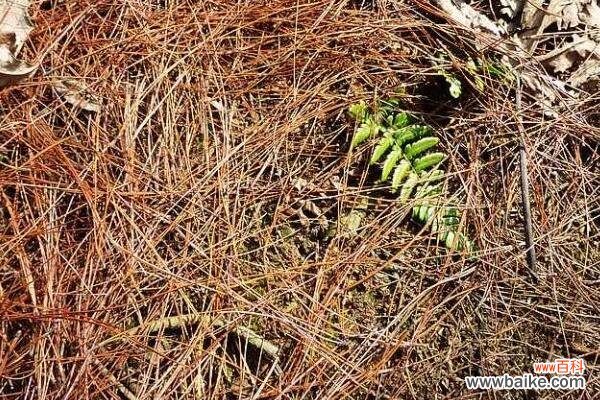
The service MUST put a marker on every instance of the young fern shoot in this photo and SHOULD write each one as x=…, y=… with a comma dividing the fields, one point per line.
x=405, y=152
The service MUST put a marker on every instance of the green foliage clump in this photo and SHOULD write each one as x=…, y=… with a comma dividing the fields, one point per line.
x=406, y=152
x=473, y=71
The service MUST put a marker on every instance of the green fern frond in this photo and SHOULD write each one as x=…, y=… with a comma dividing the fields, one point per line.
x=407, y=147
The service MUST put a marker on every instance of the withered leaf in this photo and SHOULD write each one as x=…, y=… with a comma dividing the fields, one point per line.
x=563, y=58
x=15, y=27
x=76, y=93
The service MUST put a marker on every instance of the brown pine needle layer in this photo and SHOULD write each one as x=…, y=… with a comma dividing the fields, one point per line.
x=215, y=182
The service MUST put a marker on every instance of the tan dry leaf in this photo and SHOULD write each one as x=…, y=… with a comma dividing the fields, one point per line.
x=300, y=184
x=11, y=69
x=570, y=16
x=565, y=57
x=510, y=8
x=591, y=16
x=533, y=14
x=535, y=19
x=566, y=14
x=564, y=62
x=14, y=20
x=15, y=27
x=77, y=94
x=465, y=15
x=588, y=71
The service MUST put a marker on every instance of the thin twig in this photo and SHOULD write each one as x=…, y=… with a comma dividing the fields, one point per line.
x=531, y=256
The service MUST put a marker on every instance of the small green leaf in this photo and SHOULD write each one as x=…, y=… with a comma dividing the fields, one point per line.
x=455, y=88
x=434, y=225
x=408, y=187
x=401, y=120
x=389, y=104
x=494, y=69
x=450, y=239
x=390, y=162
x=411, y=133
x=479, y=83
x=382, y=147
x=431, y=213
x=389, y=120
x=423, y=212
x=451, y=221
x=497, y=69
x=416, y=210
x=472, y=66
x=400, y=174
x=358, y=111
x=450, y=212
x=443, y=234
x=428, y=160
x=432, y=176
x=362, y=133
x=414, y=149
x=385, y=111
x=455, y=85
x=463, y=243
x=428, y=190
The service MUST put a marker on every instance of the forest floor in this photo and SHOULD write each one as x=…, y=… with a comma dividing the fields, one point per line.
x=209, y=234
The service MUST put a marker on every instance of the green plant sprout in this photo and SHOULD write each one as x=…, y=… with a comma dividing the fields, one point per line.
x=473, y=70
x=406, y=152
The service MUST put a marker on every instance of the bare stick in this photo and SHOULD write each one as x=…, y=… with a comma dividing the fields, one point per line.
x=531, y=257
